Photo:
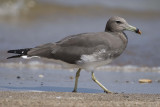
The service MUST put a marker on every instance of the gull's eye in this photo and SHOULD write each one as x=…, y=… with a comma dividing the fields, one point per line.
x=118, y=22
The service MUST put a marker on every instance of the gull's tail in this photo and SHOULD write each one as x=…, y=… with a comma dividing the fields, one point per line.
x=20, y=52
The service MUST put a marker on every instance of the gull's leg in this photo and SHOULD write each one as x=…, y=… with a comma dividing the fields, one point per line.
x=96, y=81
x=76, y=80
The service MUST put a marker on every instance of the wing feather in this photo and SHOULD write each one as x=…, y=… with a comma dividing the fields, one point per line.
x=71, y=48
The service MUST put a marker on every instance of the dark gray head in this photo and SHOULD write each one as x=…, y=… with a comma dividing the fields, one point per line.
x=118, y=24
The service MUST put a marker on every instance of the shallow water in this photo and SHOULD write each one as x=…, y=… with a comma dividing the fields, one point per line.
x=49, y=21
x=30, y=77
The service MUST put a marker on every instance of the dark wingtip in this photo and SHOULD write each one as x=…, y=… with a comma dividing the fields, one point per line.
x=11, y=51
x=15, y=56
x=19, y=51
x=8, y=58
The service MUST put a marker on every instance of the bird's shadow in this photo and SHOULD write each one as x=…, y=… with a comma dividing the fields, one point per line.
x=50, y=89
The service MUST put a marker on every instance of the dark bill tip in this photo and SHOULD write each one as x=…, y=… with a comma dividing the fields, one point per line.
x=138, y=31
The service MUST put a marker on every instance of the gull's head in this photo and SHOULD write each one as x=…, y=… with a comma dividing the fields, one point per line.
x=118, y=24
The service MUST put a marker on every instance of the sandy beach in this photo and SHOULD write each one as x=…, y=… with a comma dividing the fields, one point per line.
x=68, y=99
x=35, y=82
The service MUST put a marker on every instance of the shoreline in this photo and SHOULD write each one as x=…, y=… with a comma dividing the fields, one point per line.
x=20, y=98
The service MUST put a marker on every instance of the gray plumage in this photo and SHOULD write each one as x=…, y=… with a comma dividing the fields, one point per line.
x=73, y=48
x=85, y=51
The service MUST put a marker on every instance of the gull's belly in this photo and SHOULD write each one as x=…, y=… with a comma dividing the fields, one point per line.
x=90, y=66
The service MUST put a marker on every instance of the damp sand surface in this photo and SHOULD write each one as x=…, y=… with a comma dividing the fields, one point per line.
x=68, y=99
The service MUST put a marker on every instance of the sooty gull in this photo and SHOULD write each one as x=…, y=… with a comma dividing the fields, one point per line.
x=87, y=50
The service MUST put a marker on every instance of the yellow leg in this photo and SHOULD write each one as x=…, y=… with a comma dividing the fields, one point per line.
x=76, y=80
x=96, y=81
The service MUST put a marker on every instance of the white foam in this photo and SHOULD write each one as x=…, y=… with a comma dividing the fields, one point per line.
x=129, y=68
x=41, y=65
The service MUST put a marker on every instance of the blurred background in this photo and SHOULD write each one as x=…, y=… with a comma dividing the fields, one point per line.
x=29, y=23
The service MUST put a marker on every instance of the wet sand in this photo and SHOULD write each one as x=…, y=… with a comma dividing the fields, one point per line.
x=68, y=99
